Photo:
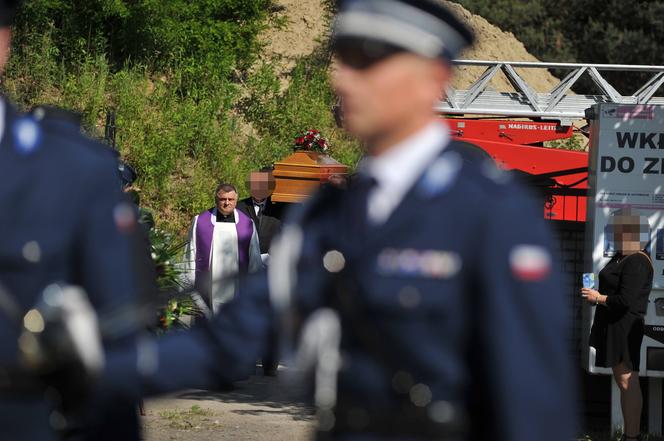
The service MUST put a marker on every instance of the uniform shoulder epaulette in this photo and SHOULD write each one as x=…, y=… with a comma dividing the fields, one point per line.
x=481, y=166
x=66, y=118
x=66, y=124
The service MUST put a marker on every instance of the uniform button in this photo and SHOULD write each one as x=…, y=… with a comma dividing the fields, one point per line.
x=420, y=395
x=357, y=418
x=33, y=321
x=32, y=251
x=57, y=420
x=409, y=297
x=402, y=382
x=334, y=261
x=441, y=412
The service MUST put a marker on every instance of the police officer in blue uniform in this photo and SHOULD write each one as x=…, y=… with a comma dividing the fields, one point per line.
x=64, y=220
x=432, y=276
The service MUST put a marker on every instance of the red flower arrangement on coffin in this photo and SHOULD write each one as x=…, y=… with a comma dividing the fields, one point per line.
x=311, y=141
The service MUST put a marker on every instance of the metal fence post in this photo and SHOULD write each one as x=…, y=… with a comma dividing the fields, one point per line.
x=655, y=406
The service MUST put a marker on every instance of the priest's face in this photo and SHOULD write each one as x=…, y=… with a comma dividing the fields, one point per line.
x=226, y=202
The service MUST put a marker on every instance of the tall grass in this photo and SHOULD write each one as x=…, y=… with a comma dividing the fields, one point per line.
x=181, y=141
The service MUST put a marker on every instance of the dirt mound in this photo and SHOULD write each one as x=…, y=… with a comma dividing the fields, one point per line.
x=301, y=26
x=305, y=23
x=495, y=44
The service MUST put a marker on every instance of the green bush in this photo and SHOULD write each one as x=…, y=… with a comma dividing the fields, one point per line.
x=306, y=104
x=183, y=80
x=584, y=31
x=198, y=42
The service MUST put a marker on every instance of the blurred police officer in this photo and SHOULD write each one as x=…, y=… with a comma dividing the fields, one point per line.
x=436, y=270
x=63, y=221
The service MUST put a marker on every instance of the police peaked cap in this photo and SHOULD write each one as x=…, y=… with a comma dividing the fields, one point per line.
x=7, y=11
x=423, y=27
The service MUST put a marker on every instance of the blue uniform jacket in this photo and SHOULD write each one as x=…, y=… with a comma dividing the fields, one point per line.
x=63, y=220
x=462, y=285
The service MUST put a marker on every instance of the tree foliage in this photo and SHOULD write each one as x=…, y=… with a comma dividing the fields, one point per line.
x=194, y=106
x=584, y=31
x=202, y=41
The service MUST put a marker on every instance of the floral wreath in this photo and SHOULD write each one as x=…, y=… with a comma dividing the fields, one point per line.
x=312, y=141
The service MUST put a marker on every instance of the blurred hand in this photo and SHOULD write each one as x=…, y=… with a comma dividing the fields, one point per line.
x=590, y=295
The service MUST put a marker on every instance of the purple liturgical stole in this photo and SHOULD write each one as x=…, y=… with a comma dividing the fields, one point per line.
x=245, y=229
x=205, y=232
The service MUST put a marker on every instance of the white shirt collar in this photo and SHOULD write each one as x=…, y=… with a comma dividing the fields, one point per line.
x=398, y=168
x=403, y=162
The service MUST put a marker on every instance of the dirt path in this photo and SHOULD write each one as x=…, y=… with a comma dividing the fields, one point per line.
x=259, y=409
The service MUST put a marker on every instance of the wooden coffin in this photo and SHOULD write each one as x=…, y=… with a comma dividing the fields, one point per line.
x=302, y=173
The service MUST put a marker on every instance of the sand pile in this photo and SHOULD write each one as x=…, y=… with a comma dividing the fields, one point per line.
x=494, y=44
x=305, y=24
x=301, y=26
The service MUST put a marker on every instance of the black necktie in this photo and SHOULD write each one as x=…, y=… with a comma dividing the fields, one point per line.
x=259, y=213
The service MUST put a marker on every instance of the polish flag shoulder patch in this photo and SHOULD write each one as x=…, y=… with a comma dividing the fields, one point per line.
x=530, y=263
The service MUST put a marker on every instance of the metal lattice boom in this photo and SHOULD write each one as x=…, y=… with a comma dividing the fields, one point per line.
x=557, y=104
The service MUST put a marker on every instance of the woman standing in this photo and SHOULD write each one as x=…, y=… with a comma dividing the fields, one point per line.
x=617, y=332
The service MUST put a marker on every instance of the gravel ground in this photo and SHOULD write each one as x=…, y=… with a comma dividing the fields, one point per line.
x=261, y=408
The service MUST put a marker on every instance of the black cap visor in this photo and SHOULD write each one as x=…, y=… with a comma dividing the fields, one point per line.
x=362, y=53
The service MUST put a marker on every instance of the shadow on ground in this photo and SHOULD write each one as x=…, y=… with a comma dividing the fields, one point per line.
x=270, y=395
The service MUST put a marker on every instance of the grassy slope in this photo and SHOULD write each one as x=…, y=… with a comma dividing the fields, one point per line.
x=183, y=146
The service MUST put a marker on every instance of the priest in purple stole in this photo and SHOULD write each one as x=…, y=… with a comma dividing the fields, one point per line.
x=223, y=243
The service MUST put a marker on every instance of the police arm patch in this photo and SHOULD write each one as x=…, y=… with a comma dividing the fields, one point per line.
x=530, y=263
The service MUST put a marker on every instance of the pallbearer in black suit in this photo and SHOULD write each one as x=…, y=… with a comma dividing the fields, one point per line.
x=267, y=218
x=427, y=291
x=259, y=206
